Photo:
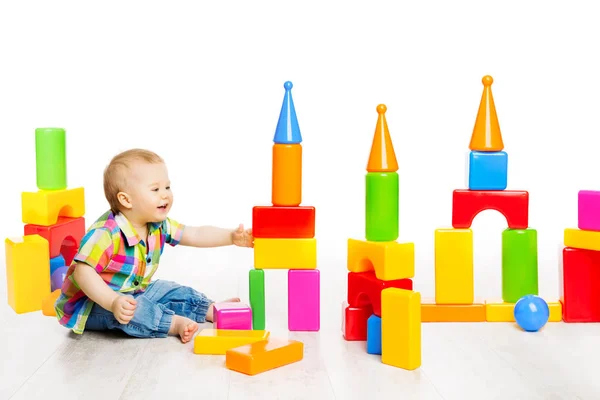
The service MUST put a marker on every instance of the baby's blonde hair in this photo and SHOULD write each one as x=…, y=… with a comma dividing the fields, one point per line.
x=114, y=174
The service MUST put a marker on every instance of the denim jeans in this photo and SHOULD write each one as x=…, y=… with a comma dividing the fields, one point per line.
x=154, y=310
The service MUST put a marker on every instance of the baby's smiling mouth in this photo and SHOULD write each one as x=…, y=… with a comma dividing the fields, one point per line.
x=164, y=206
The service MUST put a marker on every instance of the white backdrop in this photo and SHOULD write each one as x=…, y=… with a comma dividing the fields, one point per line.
x=202, y=84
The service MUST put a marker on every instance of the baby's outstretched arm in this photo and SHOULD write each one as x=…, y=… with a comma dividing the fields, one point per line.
x=212, y=236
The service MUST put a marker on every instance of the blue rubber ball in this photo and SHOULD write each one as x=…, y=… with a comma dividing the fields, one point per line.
x=531, y=313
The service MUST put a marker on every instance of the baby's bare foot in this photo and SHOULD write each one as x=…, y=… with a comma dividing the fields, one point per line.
x=184, y=327
x=211, y=308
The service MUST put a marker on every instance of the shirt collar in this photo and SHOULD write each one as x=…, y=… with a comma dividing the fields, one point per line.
x=131, y=235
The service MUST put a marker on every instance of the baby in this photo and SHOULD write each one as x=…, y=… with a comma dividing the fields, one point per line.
x=109, y=283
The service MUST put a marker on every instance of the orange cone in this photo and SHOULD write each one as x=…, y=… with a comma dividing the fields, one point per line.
x=486, y=133
x=383, y=157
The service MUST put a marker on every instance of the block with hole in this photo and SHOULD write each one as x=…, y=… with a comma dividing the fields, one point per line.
x=389, y=260
x=513, y=204
x=45, y=207
x=364, y=288
x=64, y=237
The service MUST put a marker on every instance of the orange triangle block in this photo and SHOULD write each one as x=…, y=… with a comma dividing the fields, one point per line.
x=486, y=133
x=383, y=157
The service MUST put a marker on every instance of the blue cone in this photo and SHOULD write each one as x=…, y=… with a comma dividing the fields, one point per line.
x=288, y=131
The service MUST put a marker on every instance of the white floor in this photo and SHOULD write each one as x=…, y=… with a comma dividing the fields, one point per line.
x=40, y=359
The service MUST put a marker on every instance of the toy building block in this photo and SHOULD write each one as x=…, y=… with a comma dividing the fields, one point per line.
x=488, y=170
x=48, y=304
x=57, y=278
x=432, y=312
x=288, y=130
x=254, y=358
x=283, y=222
x=304, y=300
x=579, y=285
x=498, y=310
x=44, y=207
x=588, y=210
x=218, y=341
x=382, y=157
x=580, y=239
x=256, y=280
x=56, y=263
x=401, y=328
x=389, y=260
x=519, y=264
x=354, y=321
x=374, y=335
x=382, y=210
x=27, y=272
x=454, y=281
x=486, y=134
x=286, y=185
x=232, y=315
x=285, y=253
x=365, y=288
x=513, y=204
x=51, y=159
x=64, y=237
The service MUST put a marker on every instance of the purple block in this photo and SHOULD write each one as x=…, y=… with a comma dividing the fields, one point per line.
x=232, y=315
x=589, y=210
x=304, y=300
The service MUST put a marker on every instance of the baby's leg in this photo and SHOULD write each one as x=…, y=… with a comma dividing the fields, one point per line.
x=211, y=308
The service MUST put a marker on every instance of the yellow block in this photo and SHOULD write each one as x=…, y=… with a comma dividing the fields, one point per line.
x=401, y=328
x=580, y=239
x=497, y=310
x=48, y=304
x=218, y=341
x=390, y=260
x=45, y=206
x=285, y=253
x=454, y=266
x=27, y=272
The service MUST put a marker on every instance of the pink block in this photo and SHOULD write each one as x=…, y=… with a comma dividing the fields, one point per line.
x=232, y=316
x=304, y=300
x=589, y=210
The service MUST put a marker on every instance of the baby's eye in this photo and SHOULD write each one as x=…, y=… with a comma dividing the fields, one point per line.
x=155, y=190
x=168, y=188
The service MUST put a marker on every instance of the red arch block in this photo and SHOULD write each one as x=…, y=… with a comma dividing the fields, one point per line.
x=364, y=289
x=513, y=204
x=64, y=237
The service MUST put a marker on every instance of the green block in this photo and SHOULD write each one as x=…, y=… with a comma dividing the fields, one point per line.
x=50, y=158
x=257, y=298
x=519, y=264
x=381, y=212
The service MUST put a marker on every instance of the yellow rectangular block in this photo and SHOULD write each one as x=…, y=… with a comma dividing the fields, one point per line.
x=432, y=312
x=454, y=266
x=285, y=253
x=401, y=328
x=497, y=310
x=218, y=341
x=27, y=272
x=254, y=358
x=390, y=260
x=45, y=206
x=580, y=239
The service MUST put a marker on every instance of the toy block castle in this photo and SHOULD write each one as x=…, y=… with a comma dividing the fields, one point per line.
x=37, y=262
x=381, y=306
x=284, y=232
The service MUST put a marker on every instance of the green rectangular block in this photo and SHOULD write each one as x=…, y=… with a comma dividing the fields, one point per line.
x=519, y=264
x=257, y=298
x=51, y=158
x=382, y=208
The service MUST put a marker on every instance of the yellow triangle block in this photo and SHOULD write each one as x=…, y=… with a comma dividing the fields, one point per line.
x=218, y=341
x=486, y=133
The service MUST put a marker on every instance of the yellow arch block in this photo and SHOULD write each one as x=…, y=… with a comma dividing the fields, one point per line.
x=218, y=341
x=285, y=253
x=454, y=282
x=401, y=328
x=27, y=272
x=390, y=260
x=45, y=206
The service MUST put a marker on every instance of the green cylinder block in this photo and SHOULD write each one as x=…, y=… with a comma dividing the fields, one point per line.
x=257, y=298
x=381, y=214
x=51, y=158
x=519, y=264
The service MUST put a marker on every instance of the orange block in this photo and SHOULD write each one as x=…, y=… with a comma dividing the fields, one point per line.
x=48, y=304
x=287, y=175
x=254, y=358
x=432, y=312
x=382, y=157
x=486, y=133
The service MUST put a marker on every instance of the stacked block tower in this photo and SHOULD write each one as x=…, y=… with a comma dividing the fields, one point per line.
x=37, y=262
x=284, y=232
x=381, y=306
x=487, y=182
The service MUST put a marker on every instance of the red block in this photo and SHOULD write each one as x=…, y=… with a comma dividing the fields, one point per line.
x=513, y=204
x=63, y=237
x=355, y=322
x=283, y=222
x=365, y=289
x=580, y=285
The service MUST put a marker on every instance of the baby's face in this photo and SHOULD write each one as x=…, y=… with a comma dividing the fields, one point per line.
x=150, y=191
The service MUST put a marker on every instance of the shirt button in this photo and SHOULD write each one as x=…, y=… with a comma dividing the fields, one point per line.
x=136, y=283
x=148, y=259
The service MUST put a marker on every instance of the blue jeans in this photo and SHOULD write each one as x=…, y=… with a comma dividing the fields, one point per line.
x=154, y=311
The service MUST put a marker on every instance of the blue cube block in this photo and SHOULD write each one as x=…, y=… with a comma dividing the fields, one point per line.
x=374, y=335
x=488, y=170
x=56, y=263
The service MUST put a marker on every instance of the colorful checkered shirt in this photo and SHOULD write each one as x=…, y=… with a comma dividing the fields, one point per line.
x=113, y=248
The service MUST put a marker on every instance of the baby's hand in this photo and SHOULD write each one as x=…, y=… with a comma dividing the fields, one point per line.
x=243, y=238
x=123, y=308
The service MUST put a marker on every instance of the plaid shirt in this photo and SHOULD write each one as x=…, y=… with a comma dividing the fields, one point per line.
x=113, y=248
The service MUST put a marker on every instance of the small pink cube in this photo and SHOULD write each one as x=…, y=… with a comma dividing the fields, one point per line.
x=589, y=210
x=232, y=315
